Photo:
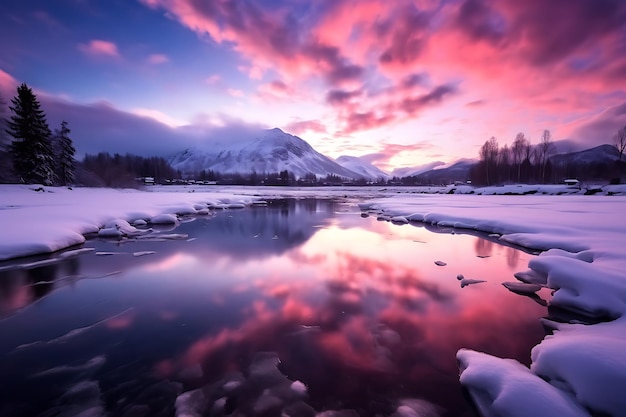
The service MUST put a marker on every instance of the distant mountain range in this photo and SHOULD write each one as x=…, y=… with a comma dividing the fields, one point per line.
x=599, y=154
x=272, y=151
x=361, y=167
x=269, y=151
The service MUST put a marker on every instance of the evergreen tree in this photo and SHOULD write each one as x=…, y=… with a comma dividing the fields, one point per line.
x=64, y=152
x=31, y=149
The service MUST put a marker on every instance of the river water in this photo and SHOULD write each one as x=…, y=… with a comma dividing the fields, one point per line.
x=241, y=304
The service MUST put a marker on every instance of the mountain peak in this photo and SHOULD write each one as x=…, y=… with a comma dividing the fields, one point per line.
x=265, y=151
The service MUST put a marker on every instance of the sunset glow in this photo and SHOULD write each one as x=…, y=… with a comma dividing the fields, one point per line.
x=403, y=83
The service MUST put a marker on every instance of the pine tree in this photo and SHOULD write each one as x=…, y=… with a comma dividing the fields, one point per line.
x=31, y=149
x=64, y=152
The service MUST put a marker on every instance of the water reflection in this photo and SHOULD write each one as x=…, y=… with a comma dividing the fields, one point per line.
x=354, y=308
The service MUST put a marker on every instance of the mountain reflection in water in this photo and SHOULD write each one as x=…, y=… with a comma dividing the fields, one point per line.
x=355, y=309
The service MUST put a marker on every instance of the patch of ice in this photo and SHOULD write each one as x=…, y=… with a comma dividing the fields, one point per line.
x=231, y=385
x=166, y=218
x=522, y=287
x=298, y=387
x=399, y=220
x=140, y=222
x=143, y=253
x=469, y=281
x=417, y=407
x=76, y=252
x=531, y=277
x=191, y=404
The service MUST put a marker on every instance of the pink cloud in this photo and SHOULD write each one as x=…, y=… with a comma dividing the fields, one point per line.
x=234, y=92
x=382, y=64
x=157, y=59
x=302, y=126
x=213, y=79
x=8, y=85
x=98, y=47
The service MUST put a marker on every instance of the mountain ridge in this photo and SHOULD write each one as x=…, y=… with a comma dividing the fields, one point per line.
x=269, y=151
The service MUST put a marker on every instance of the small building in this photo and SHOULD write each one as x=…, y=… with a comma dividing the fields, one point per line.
x=571, y=182
x=148, y=180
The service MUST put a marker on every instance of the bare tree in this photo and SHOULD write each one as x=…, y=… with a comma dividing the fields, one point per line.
x=544, y=149
x=620, y=141
x=489, y=157
x=504, y=162
x=520, y=150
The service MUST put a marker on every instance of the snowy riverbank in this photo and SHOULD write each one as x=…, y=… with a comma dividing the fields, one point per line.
x=584, y=365
x=580, y=369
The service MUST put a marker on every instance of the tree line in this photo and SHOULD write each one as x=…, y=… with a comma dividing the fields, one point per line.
x=524, y=163
x=106, y=170
x=30, y=153
x=35, y=154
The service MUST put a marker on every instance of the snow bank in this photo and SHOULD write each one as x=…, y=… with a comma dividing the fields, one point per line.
x=57, y=218
x=504, y=387
x=579, y=367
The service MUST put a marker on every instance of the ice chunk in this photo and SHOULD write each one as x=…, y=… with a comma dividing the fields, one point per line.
x=469, y=281
x=531, y=277
x=399, y=220
x=504, y=387
x=143, y=253
x=232, y=385
x=416, y=407
x=167, y=218
x=110, y=232
x=522, y=287
x=589, y=362
x=460, y=277
x=76, y=252
x=440, y=263
x=119, y=228
x=298, y=387
x=266, y=402
x=191, y=404
x=140, y=222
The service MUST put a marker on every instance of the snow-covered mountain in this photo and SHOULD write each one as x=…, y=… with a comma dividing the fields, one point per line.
x=416, y=170
x=458, y=171
x=599, y=154
x=361, y=167
x=268, y=151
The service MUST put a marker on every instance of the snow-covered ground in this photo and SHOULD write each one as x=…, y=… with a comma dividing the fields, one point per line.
x=579, y=370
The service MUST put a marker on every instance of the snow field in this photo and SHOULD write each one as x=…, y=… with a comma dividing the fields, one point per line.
x=36, y=222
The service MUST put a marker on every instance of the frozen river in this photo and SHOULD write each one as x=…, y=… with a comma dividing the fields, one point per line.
x=299, y=307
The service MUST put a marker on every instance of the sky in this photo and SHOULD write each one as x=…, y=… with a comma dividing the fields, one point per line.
x=399, y=83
